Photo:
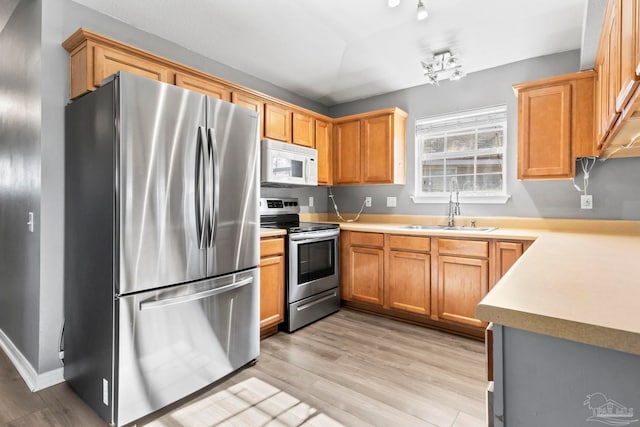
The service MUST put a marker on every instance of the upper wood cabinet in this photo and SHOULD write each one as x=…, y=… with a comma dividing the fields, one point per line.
x=93, y=57
x=346, y=153
x=324, y=138
x=555, y=125
x=277, y=122
x=251, y=102
x=618, y=83
x=370, y=148
x=304, y=130
x=201, y=85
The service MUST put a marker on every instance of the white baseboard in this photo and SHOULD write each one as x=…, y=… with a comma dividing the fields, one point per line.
x=33, y=380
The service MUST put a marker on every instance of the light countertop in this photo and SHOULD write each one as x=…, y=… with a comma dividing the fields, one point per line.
x=582, y=284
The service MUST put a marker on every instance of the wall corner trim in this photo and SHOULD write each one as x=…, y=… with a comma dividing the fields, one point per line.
x=34, y=381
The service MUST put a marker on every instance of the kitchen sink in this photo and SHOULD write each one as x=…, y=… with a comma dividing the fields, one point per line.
x=446, y=228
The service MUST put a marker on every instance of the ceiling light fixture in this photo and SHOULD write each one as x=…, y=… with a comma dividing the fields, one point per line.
x=443, y=65
x=394, y=3
x=421, y=13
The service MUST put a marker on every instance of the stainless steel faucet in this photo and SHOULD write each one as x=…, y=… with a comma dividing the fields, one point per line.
x=454, y=207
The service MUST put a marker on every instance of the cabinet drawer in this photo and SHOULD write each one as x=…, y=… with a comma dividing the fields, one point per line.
x=463, y=247
x=410, y=243
x=270, y=247
x=367, y=239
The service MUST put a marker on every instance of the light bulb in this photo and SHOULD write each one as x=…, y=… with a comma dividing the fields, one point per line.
x=394, y=3
x=432, y=79
x=422, y=11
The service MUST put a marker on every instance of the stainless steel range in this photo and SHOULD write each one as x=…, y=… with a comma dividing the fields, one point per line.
x=313, y=272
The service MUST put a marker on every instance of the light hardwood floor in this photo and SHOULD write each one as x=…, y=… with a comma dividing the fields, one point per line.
x=351, y=369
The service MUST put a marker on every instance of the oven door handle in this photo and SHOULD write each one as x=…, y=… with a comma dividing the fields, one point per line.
x=304, y=237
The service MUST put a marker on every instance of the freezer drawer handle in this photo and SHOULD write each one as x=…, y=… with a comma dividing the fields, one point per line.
x=318, y=301
x=146, y=305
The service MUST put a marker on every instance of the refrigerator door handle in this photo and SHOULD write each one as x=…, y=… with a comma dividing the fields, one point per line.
x=215, y=178
x=200, y=189
x=157, y=303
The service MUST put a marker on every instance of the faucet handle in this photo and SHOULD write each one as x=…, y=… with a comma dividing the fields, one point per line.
x=473, y=223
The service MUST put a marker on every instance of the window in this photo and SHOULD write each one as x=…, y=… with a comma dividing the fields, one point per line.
x=463, y=152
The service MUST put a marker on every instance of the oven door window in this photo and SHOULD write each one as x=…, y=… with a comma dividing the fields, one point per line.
x=316, y=260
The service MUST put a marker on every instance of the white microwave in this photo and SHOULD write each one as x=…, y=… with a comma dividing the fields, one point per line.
x=285, y=165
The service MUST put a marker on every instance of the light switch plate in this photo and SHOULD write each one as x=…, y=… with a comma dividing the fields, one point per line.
x=310, y=201
x=391, y=202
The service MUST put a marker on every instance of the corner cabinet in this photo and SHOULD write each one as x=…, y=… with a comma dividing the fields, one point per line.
x=369, y=148
x=555, y=125
x=271, y=285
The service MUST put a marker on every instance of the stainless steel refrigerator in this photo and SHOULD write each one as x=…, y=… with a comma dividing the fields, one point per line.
x=161, y=244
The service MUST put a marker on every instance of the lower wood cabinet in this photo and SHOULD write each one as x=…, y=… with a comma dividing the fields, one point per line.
x=437, y=281
x=271, y=285
x=410, y=282
x=462, y=283
x=365, y=268
x=506, y=254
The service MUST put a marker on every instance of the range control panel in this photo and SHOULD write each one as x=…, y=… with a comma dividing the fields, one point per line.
x=275, y=206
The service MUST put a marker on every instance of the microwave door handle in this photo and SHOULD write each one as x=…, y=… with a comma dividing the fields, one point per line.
x=215, y=179
x=200, y=188
x=163, y=302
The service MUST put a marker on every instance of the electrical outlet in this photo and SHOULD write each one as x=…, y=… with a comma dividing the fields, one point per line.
x=586, y=201
x=310, y=201
x=391, y=202
x=367, y=201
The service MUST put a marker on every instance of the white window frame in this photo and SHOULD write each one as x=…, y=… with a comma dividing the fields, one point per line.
x=466, y=121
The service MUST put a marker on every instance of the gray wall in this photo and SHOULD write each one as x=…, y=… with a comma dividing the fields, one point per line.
x=614, y=184
x=20, y=115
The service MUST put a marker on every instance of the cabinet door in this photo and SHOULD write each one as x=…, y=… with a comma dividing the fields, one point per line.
x=544, y=133
x=323, y=145
x=304, y=131
x=107, y=61
x=611, y=30
x=506, y=254
x=252, y=103
x=366, y=267
x=628, y=51
x=207, y=87
x=377, y=149
x=347, y=159
x=271, y=290
x=462, y=282
x=410, y=282
x=277, y=122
